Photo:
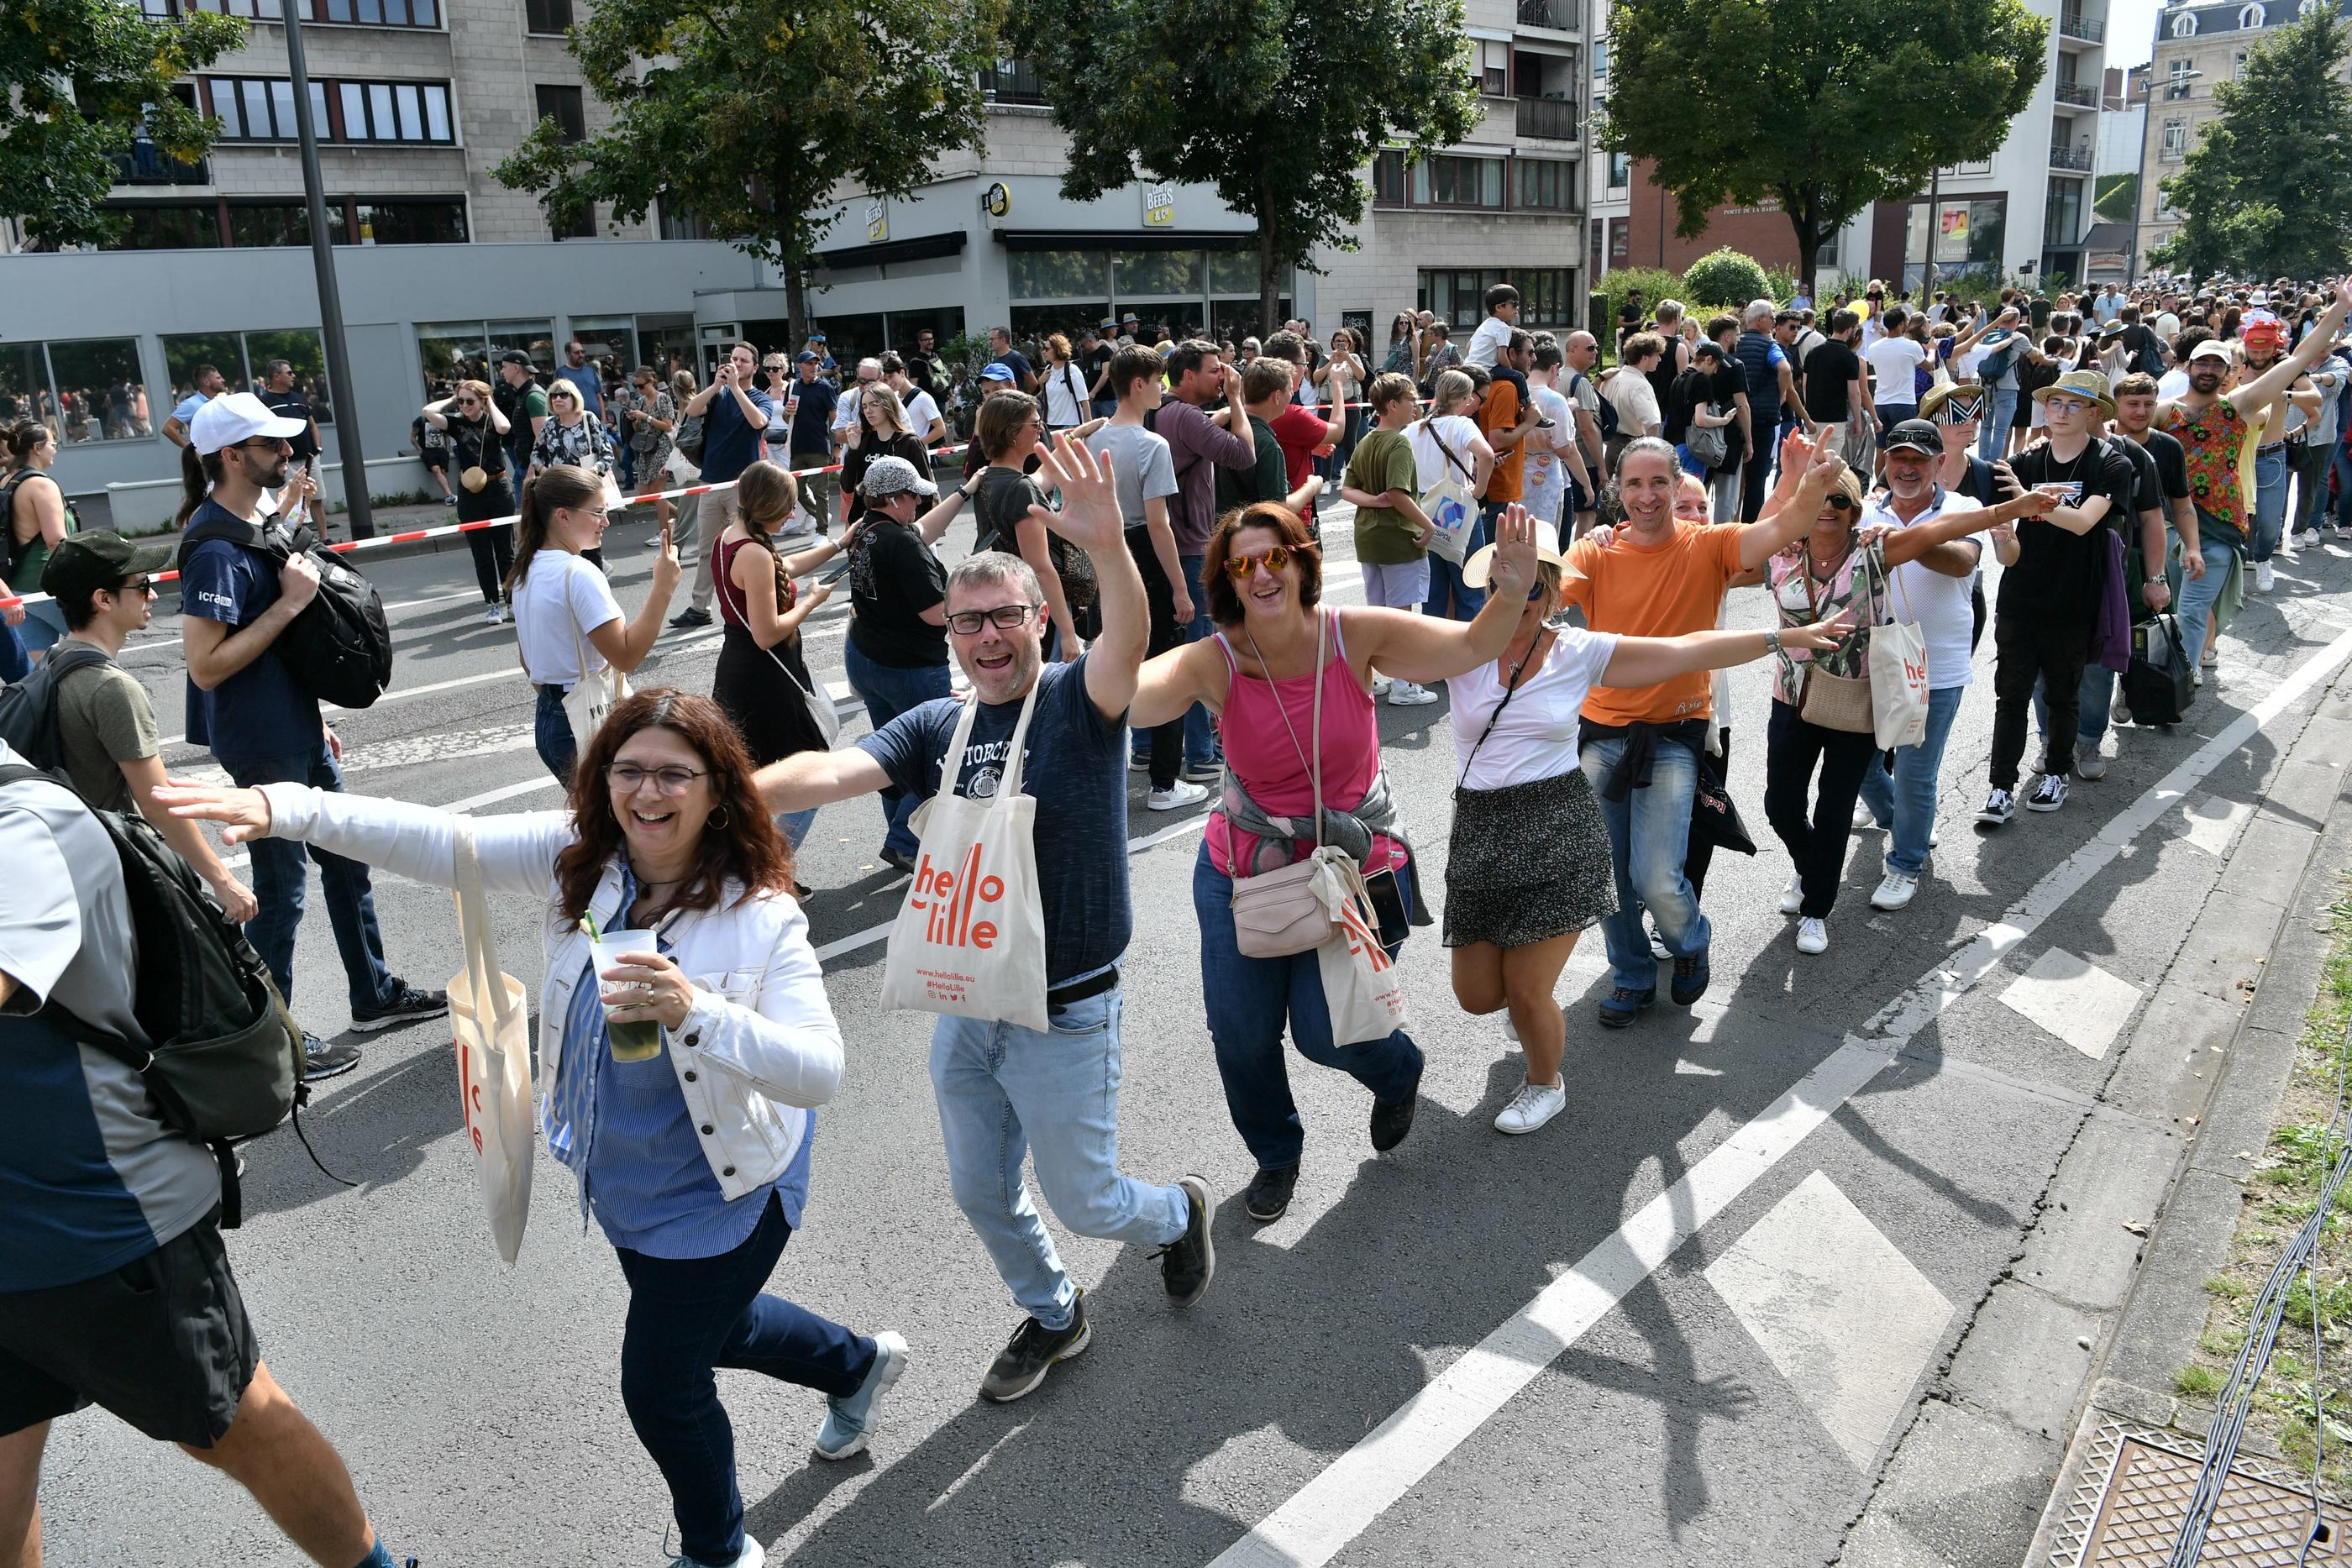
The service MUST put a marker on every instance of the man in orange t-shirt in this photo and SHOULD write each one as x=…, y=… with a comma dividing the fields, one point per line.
x=1653, y=576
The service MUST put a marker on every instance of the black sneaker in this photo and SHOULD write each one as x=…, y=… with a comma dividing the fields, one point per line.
x=689, y=618
x=1203, y=772
x=1030, y=1353
x=406, y=1004
x=326, y=1058
x=897, y=860
x=1622, y=1004
x=1188, y=1264
x=1268, y=1196
x=1391, y=1123
x=1690, y=978
x=2048, y=795
x=1998, y=808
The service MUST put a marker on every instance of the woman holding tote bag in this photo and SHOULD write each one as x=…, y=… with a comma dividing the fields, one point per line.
x=693, y=1157
x=1291, y=683
x=575, y=648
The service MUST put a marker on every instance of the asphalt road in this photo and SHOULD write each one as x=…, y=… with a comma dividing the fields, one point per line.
x=1686, y=1322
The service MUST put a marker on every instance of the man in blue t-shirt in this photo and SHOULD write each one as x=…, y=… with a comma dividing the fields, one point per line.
x=734, y=436
x=209, y=384
x=1052, y=1086
x=243, y=703
x=584, y=373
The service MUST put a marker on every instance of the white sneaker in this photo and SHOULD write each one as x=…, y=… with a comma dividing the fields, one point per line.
x=2265, y=579
x=1935, y=836
x=495, y=615
x=2196, y=676
x=1895, y=890
x=754, y=1557
x=1792, y=897
x=1404, y=693
x=1531, y=1107
x=1177, y=796
x=1863, y=820
x=1380, y=685
x=1813, y=935
x=2090, y=765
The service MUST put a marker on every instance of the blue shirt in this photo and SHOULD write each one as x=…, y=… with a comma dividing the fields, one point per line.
x=590, y=384
x=257, y=712
x=730, y=442
x=1761, y=359
x=812, y=415
x=185, y=411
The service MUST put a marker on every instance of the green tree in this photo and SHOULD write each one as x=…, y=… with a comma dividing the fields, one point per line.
x=1726, y=276
x=1827, y=105
x=760, y=116
x=1279, y=104
x=2267, y=189
x=78, y=81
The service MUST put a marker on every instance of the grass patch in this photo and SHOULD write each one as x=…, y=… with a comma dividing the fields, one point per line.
x=2197, y=1381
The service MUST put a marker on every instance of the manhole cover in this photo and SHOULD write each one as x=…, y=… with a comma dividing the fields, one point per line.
x=2134, y=1492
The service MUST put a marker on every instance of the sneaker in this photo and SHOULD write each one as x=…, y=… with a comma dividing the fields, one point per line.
x=1658, y=948
x=2265, y=579
x=1380, y=685
x=495, y=615
x=405, y=1005
x=2196, y=676
x=1032, y=1352
x=1203, y=772
x=2090, y=765
x=753, y=1556
x=897, y=860
x=2120, y=712
x=1268, y=1196
x=1391, y=1123
x=1177, y=796
x=1862, y=820
x=1690, y=978
x=1625, y=1004
x=687, y=619
x=1792, y=897
x=1893, y=890
x=1935, y=836
x=1404, y=693
x=326, y=1058
x=1812, y=935
x=1188, y=1264
x=2048, y=795
x=1511, y=1032
x=1137, y=763
x=848, y=1416
x=1998, y=808
x=1531, y=1107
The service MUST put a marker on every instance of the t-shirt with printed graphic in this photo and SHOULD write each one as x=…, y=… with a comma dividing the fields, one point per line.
x=1805, y=594
x=2058, y=572
x=1076, y=766
x=2212, y=441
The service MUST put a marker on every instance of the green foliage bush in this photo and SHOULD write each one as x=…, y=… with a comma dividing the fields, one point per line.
x=1728, y=275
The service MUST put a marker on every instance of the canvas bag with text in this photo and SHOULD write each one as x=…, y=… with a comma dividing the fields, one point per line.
x=1362, y=985
x=487, y=1013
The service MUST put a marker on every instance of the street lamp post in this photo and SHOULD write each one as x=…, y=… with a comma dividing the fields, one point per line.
x=331, y=300
x=2140, y=176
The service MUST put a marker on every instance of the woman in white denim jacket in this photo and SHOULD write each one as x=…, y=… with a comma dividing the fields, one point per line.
x=664, y=833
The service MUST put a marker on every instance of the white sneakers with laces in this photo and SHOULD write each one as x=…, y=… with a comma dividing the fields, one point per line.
x=1893, y=890
x=1792, y=897
x=1812, y=935
x=1531, y=1107
x=1177, y=796
x=2265, y=579
x=1404, y=693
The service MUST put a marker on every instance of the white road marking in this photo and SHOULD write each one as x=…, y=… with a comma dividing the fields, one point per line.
x=1846, y=1317
x=2213, y=822
x=2075, y=1000
x=1353, y=1493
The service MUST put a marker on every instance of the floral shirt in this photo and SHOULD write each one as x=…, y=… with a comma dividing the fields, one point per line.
x=643, y=434
x=1859, y=579
x=584, y=445
x=2214, y=440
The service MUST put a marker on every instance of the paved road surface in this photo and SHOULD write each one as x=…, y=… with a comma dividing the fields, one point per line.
x=1685, y=1323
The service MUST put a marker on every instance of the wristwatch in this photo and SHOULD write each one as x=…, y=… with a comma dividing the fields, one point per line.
x=1771, y=639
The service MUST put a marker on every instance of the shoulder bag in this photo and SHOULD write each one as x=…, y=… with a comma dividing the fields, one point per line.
x=1279, y=913
x=1708, y=442
x=1835, y=702
x=592, y=695
x=1451, y=505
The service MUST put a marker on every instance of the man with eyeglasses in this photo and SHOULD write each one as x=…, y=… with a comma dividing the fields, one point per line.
x=1005, y=1090
x=236, y=601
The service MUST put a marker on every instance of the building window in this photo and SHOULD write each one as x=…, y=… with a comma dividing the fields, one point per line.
x=2238, y=66
x=413, y=221
x=1457, y=295
x=1621, y=171
x=563, y=106
x=261, y=109
x=361, y=13
x=580, y=225
x=85, y=391
x=1545, y=185
x=1070, y=290
x=1451, y=180
x=1494, y=68
x=2179, y=79
x=281, y=223
x=1599, y=60
x=676, y=222
x=2175, y=146
x=2185, y=25
x=547, y=15
x=1389, y=180
x=2250, y=18
x=449, y=351
x=169, y=225
x=394, y=111
x=244, y=359
x=1969, y=235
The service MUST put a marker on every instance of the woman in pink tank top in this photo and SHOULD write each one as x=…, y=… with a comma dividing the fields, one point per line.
x=1276, y=648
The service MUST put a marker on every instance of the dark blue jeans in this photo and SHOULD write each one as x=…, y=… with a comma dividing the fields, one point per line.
x=552, y=734
x=280, y=882
x=690, y=1315
x=888, y=691
x=1200, y=748
x=1249, y=1001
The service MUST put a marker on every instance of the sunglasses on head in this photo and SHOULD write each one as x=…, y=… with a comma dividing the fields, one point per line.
x=1273, y=556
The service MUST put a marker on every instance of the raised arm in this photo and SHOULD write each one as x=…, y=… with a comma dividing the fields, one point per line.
x=1647, y=661
x=1761, y=540
x=1090, y=518
x=1424, y=648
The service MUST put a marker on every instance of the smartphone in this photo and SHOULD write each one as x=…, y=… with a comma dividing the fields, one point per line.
x=834, y=570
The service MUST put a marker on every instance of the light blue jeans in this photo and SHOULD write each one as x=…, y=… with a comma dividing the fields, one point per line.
x=2198, y=594
x=2270, y=470
x=1906, y=799
x=1992, y=435
x=1649, y=832
x=2098, y=697
x=1006, y=1094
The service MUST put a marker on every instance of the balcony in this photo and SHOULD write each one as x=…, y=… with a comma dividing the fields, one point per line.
x=147, y=165
x=2076, y=160
x=2075, y=95
x=1559, y=16
x=2074, y=25
x=1012, y=81
x=1548, y=119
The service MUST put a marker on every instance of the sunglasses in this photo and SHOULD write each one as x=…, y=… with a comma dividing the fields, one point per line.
x=1843, y=504
x=138, y=585
x=1274, y=558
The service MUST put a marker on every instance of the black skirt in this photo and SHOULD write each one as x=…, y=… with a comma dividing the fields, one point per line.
x=1527, y=863
x=767, y=708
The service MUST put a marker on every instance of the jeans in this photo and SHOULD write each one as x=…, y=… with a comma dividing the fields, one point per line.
x=1649, y=832
x=1200, y=748
x=1006, y=1094
x=2096, y=698
x=2270, y=501
x=1794, y=748
x=690, y=1315
x=551, y=735
x=1992, y=435
x=493, y=550
x=1449, y=598
x=1249, y=1000
x=280, y=882
x=2031, y=648
x=888, y=691
x=1906, y=798
x=795, y=825
x=45, y=624
x=2198, y=594
x=1755, y=472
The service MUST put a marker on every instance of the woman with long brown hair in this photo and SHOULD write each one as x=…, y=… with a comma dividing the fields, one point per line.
x=478, y=432
x=693, y=1159
x=881, y=430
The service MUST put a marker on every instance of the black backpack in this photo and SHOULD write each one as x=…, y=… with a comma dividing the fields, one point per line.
x=340, y=648
x=28, y=709
x=226, y=1058
x=1605, y=416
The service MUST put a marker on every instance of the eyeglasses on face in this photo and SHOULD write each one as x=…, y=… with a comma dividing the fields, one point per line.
x=1004, y=617
x=269, y=444
x=1273, y=556
x=627, y=778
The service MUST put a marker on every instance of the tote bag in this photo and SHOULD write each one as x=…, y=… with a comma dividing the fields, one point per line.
x=1361, y=984
x=488, y=1012
x=971, y=938
x=596, y=694
x=1898, y=681
x=1450, y=506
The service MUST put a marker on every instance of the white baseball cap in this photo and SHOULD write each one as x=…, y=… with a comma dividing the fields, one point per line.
x=234, y=417
x=2214, y=349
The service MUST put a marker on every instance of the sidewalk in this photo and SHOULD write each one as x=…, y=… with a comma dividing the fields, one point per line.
x=2076, y=1345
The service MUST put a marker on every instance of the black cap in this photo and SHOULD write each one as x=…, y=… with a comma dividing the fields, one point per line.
x=517, y=357
x=83, y=563
x=1915, y=433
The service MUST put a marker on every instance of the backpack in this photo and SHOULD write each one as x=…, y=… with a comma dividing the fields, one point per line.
x=226, y=1058
x=1998, y=362
x=8, y=529
x=1605, y=416
x=28, y=709
x=2149, y=361
x=340, y=648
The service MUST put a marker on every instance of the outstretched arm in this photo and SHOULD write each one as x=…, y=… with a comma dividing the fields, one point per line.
x=1646, y=660
x=2263, y=388
x=1421, y=648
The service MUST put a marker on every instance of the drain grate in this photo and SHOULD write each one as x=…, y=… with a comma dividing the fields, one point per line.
x=2134, y=1492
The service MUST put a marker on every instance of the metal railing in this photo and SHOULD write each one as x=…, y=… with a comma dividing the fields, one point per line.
x=1554, y=119
x=2074, y=25
x=147, y=165
x=1012, y=81
x=1561, y=16
x=2077, y=94
x=2078, y=160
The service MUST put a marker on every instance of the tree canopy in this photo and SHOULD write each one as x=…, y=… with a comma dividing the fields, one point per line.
x=762, y=118
x=1278, y=104
x=80, y=80
x=1826, y=105
x=2267, y=189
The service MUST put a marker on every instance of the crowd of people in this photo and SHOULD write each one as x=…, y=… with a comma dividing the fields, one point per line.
x=1550, y=544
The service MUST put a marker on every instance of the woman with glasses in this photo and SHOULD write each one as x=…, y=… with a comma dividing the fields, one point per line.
x=881, y=431
x=567, y=622
x=572, y=436
x=647, y=415
x=680, y=1079
x=478, y=432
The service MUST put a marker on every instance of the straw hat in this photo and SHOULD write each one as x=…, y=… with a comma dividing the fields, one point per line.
x=2089, y=386
x=1474, y=572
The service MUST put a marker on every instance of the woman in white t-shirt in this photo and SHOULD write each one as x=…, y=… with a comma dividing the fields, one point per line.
x=1894, y=360
x=1446, y=443
x=566, y=619
x=1063, y=387
x=1528, y=863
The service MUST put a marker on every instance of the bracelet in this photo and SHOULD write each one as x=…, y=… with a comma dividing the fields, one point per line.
x=1772, y=639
